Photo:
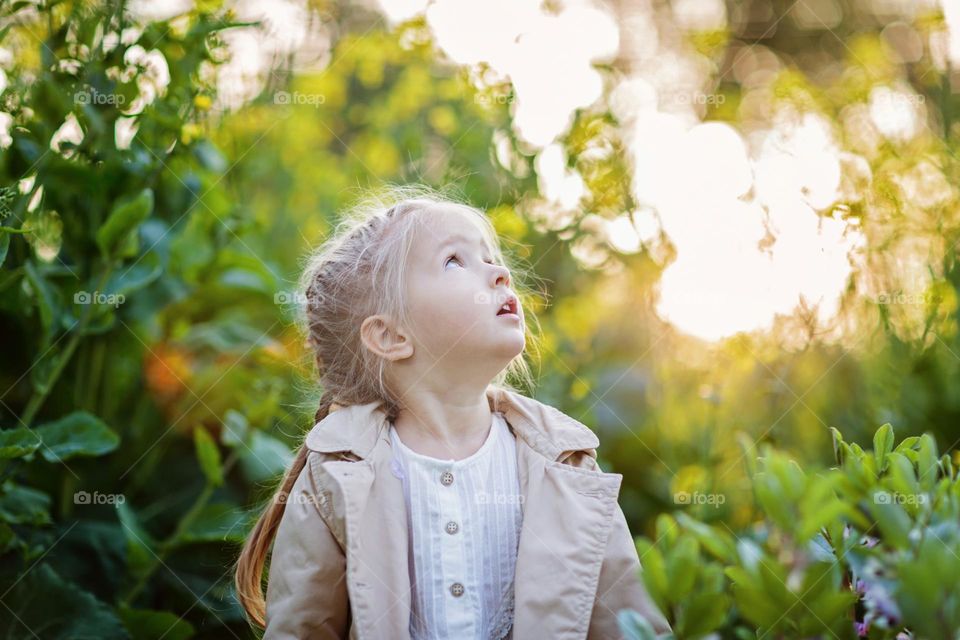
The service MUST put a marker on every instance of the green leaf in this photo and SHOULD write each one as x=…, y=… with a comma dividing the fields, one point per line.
x=893, y=521
x=654, y=572
x=78, y=434
x=144, y=624
x=264, y=457
x=209, y=456
x=236, y=428
x=42, y=604
x=47, y=303
x=23, y=505
x=634, y=626
x=140, y=545
x=128, y=279
x=946, y=466
x=666, y=530
x=703, y=613
x=217, y=522
x=927, y=462
x=902, y=476
x=718, y=542
x=123, y=220
x=907, y=443
x=682, y=563
x=757, y=606
x=837, y=439
x=19, y=442
x=927, y=591
x=882, y=445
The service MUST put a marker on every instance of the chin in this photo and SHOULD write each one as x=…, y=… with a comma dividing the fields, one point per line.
x=512, y=348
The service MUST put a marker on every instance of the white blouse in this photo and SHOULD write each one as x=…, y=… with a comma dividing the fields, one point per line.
x=464, y=519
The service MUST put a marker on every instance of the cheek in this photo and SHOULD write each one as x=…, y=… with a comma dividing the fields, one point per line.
x=445, y=303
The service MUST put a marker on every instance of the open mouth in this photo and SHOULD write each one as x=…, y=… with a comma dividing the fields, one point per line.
x=508, y=307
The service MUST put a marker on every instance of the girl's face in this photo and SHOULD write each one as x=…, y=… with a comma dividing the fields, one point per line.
x=456, y=296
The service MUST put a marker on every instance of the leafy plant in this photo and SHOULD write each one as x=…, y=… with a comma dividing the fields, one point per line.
x=862, y=550
x=104, y=175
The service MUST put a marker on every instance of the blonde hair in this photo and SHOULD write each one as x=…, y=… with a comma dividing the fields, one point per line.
x=358, y=272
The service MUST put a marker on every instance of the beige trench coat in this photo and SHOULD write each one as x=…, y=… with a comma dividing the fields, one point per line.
x=339, y=567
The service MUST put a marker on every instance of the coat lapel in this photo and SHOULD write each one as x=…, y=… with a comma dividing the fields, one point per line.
x=375, y=523
x=568, y=515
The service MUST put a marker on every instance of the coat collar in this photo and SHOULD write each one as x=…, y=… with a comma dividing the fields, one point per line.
x=547, y=430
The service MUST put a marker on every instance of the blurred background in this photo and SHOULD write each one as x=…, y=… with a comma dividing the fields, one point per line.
x=742, y=217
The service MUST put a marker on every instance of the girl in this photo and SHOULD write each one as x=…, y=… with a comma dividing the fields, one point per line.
x=430, y=499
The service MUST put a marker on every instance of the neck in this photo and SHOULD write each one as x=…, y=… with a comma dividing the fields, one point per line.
x=446, y=423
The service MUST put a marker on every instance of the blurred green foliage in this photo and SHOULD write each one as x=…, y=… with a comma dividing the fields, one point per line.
x=865, y=549
x=152, y=385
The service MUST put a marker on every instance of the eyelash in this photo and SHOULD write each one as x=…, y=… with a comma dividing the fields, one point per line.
x=457, y=256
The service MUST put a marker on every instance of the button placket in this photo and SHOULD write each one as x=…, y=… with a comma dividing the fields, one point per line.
x=459, y=608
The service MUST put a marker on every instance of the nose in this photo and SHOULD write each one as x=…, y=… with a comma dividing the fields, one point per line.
x=501, y=275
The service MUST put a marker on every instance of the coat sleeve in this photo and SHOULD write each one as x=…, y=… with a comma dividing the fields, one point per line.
x=306, y=588
x=621, y=586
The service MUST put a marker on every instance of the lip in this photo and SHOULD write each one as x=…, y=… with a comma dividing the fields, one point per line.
x=514, y=306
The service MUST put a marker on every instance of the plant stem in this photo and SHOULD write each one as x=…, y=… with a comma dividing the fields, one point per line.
x=40, y=395
x=164, y=548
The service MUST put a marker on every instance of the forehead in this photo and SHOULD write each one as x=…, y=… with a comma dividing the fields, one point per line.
x=441, y=225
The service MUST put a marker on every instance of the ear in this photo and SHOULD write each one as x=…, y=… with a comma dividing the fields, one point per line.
x=381, y=337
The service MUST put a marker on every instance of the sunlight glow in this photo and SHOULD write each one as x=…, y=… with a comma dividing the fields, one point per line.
x=548, y=58
x=741, y=261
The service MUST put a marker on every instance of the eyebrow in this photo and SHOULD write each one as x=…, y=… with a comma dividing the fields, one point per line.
x=459, y=237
